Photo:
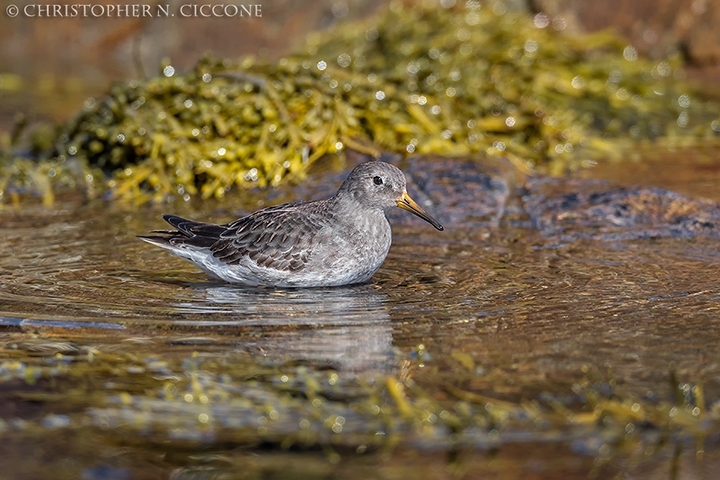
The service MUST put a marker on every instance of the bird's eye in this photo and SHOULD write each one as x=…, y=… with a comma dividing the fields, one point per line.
x=377, y=181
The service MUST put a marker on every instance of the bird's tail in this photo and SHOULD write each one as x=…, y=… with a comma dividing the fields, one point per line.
x=188, y=233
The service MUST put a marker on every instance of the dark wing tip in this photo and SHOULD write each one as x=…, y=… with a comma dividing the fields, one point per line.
x=173, y=220
x=164, y=237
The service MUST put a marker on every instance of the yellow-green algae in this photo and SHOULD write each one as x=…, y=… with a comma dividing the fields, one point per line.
x=216, y=398
x=466, y=78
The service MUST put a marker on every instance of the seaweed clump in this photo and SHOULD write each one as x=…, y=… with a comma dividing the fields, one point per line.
x=450, y=79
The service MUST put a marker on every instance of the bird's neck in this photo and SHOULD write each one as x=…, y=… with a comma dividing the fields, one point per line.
x=347, y=206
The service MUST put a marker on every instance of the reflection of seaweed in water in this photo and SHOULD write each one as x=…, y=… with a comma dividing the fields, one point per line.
x=223, y=400
x=463, y=80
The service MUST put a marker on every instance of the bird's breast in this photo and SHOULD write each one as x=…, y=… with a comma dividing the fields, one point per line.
x=353, y=249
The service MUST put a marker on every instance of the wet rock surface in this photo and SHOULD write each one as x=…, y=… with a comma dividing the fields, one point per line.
x=487, y=192
x=603, y=211
x=461, y=191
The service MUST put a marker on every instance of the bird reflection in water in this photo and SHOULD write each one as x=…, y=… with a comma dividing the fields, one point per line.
x=347, y=329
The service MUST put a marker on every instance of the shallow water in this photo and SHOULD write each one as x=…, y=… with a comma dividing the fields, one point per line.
x=493, y=315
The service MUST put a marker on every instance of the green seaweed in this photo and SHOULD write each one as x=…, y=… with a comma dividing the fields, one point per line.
x=472, y=78
x=38, y=170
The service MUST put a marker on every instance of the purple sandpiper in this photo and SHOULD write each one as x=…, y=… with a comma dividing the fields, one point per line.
x=339, y=241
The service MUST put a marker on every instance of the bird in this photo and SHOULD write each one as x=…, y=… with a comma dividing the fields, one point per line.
x=342, y=240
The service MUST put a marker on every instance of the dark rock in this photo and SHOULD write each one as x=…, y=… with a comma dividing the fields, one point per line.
x=487, y=193
x=459, y=192
x=569, y=208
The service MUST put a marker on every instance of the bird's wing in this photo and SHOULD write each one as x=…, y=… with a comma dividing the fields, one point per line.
x=277, y=237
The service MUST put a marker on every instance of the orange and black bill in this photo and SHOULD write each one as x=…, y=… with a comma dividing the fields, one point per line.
x=407, y=203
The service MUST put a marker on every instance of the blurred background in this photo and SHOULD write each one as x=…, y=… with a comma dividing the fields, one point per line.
x=48, y=66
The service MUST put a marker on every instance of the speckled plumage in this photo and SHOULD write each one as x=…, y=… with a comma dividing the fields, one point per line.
x=338, y=241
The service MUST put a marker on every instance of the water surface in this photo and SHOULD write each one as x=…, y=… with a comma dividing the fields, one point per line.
x=103, y=337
